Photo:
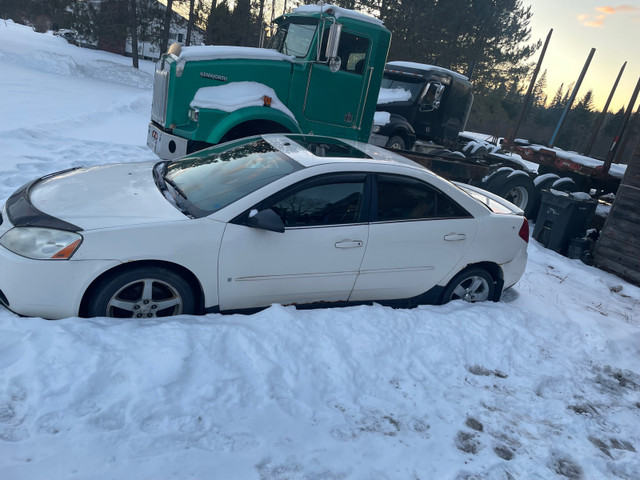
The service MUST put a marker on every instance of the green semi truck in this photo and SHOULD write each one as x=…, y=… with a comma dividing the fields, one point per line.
x=321, y=75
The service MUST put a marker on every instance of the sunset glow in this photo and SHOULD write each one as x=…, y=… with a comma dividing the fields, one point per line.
x=614, y=30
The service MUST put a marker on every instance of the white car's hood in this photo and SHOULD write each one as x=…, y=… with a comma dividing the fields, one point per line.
x=104, y=196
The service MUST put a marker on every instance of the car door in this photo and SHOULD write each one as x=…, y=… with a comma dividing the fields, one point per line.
x=317, y=257
x=417, y=235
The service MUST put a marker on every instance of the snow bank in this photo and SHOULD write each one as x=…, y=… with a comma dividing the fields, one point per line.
x=233, y=96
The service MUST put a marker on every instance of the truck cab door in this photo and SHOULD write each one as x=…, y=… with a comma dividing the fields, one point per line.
x=432, y=97
x=336, y=99
x=428, y=117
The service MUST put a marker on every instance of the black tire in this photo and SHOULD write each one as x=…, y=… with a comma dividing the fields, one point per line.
x=565, y=184
x=478, y=153
x=396, y=142
x=496, y=179
x=473, y=285
x=519, y=190
x=144, y=292
x=541, y=183
x=443, y=152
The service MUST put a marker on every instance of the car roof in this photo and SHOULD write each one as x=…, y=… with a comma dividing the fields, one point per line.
x=312, y=150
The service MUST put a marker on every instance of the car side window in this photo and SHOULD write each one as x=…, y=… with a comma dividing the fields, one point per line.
x=404, y=198
x=329, y=201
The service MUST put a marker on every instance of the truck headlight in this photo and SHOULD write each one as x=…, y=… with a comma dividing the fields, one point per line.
x=41, y=243
x=194, y=114
x=375, y=129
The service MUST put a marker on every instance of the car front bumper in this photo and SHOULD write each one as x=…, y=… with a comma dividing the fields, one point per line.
x=50, y=289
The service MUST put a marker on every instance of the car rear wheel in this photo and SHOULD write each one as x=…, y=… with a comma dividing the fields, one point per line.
x=146, y=292
x=474, y=285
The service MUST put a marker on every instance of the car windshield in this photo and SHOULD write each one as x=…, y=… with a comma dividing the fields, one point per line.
x=211, y=179
x=397, y=89
x=294, y=38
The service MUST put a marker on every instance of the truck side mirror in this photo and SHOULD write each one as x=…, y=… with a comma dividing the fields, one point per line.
x=333, y=42
x=432, y=98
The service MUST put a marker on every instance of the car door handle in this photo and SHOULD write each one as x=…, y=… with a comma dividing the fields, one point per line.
x=349, y=244
x=454, y=237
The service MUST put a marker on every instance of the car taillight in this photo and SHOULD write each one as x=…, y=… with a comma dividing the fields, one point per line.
x=524, y=231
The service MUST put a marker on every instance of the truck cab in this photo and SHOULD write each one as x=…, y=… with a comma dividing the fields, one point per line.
x=419, y=101
x=321, y=74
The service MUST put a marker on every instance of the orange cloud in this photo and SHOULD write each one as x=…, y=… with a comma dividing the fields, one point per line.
x=620, y=8
x=597, y=21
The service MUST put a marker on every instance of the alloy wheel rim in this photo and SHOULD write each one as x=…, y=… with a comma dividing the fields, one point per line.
x=145, y=298
x=472, y=289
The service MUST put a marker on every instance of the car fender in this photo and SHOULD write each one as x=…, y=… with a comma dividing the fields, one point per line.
x=192, y=245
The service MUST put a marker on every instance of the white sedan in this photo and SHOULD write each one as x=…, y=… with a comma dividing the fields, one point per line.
x=284, y=219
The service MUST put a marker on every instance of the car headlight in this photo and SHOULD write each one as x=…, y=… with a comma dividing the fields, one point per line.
x=41, y=243
x=375, y=129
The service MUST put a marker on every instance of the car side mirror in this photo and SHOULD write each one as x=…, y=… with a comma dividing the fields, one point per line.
x=265, y=220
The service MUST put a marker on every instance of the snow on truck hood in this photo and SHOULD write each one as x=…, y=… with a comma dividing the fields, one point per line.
x=104, y=196
x=236, y=95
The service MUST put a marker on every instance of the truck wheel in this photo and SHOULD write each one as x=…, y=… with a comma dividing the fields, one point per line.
x=565, y=184
x=541, y=182
x=396, y=143
x=519, y=190
x=479, y=153
x=495, y=180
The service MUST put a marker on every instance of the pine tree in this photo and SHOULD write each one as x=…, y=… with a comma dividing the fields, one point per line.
x=493, y=34
x=539, y=98
x=567, y=94
x=557, y=98
x=586, y=102
x=168, y=12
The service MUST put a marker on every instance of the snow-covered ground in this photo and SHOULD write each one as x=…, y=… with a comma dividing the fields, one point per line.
x=543, y=385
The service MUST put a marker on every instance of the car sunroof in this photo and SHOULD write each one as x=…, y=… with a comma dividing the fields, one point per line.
x=327, y=147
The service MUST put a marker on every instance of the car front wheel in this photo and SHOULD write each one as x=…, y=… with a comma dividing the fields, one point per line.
x=145, y=292
x=474, y=285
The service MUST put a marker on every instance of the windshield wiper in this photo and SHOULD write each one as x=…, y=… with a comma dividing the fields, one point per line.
x=159, y=172
x=175, y=187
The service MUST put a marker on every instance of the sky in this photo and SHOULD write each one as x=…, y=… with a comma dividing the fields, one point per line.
x=612, y=29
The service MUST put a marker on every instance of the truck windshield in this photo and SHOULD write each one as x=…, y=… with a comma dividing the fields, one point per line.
x=397, y=89
x=210, y=180
x=294, y=38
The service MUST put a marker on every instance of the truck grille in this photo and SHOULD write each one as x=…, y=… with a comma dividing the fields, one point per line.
x=160, y=93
